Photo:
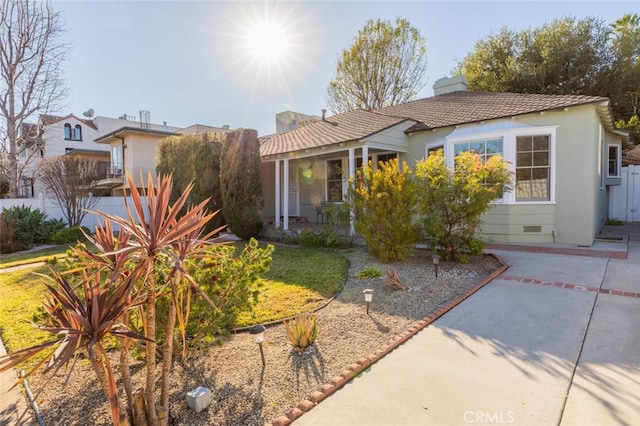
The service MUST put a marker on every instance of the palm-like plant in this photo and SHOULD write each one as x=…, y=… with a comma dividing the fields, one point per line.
x=82, y=321
x=157, y=232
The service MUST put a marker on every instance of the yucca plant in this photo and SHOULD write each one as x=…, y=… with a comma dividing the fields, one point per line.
x=82, y=321
x=302, y=331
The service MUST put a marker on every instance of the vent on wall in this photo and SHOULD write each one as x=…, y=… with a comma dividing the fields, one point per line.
x=532, y=228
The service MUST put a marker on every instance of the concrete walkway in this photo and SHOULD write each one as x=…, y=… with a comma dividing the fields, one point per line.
x=13, y=403
x=554, y=340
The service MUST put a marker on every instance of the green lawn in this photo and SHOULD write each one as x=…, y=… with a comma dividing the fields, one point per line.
x=21, y=258
x=300, y=279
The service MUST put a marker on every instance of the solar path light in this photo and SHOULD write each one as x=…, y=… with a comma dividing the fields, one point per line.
x=257, y=332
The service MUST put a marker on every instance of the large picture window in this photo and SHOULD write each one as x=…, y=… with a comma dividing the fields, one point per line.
x=334, y=180
x=532, y=168
x=484, y=148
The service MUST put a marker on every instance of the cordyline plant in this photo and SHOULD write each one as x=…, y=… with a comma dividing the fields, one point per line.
x=153, y=234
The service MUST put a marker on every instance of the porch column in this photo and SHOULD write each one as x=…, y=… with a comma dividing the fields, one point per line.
x=352, y=172
x=285, y=189
x=277, y=206
x=365, y=156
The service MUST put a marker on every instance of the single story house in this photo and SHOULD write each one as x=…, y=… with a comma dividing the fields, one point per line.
x=563, y=150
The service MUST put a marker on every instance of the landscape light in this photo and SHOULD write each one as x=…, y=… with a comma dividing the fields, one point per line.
x=257, y=332
x=436, y=260
x=368, y=296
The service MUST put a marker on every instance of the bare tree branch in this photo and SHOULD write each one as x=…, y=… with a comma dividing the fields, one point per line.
x=31, y=83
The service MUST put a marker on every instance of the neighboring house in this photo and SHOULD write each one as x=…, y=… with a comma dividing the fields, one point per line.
x=291, y=120
x=133, y=150
x=563, y=150
x=52, y=136
x=99, y=138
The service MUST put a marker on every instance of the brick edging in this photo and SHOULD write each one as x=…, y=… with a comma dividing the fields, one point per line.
x=363, y=363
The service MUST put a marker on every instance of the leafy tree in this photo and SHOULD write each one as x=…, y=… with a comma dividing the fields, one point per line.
x=451, y=201
x=70, y=180
x=384, y=203
x=626, y=48
x=194, y=158
x=31, y=83
x=566, y=56
x=240, y=183
x=384, y=66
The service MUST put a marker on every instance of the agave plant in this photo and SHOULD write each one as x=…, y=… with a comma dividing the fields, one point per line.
x=302, y=331
x=81, y=322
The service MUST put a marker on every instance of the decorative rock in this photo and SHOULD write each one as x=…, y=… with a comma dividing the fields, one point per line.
x=199, y=398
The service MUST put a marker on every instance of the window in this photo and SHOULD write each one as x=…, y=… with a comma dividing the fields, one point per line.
x=614, y=161
x=386, y=157
x=117, y=160
x=532, y=168
x=432, y=150
x=334, y=180
x=484, y=148
x=77, y=133
x=67, y=131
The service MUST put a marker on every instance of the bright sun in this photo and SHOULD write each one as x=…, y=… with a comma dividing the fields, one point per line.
x=267, y=42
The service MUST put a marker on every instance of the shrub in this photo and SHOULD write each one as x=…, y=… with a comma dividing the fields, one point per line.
x=69, y=235
x=323, y=237
x=27, y=225
x=451, y=201
x=302, y=331
x=240, y=183
x=370, y=272
x=384, y=203
x=8, y=242
x=50, y=227
x=231, y=282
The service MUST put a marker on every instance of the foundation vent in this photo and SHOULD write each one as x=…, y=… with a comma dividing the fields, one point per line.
x=532, y=228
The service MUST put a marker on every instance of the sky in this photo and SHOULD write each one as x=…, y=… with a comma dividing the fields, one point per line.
x=239, y=63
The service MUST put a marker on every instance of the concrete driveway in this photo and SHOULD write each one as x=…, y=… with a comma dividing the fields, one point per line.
x=553, y=340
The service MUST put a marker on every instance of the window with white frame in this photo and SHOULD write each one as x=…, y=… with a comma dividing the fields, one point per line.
x=533, y=168
x=334, y=180
x=613, y=169
x=67, y=131
x=77, y=133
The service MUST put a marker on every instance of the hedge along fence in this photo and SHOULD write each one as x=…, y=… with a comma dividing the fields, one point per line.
x=111, y=205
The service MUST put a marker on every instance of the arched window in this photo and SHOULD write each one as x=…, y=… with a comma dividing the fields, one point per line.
x=77, y=133
x=67, y=131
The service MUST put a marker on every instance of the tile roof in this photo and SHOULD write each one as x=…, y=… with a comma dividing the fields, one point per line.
x=462, y=107
x=445, y=110
x=631, y=156
x=48, y=119
x=348, y=126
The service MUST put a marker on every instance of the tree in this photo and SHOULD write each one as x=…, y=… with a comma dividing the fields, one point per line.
x=240, y=183
x=384, y=66
x=451, y=201
x=626, y=48
x=194, y=158
x=31, y=83
x=566, y=56
x=384, y=203
x=70, y=179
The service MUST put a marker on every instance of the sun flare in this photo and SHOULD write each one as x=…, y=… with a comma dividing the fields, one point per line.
x=267, y=42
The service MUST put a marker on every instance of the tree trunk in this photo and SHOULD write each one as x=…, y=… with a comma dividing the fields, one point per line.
x=167, y=351
x=138, y=409
x=150, y=395
x=126, y=371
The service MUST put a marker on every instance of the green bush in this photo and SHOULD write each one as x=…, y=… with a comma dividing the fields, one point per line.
x=231, y=282
x=384, y=203
x=8, y=242
x=240, y=183
x=69, y=235
x=28, y=225
x=451, y=201
x=325, y=236
x=369, y=272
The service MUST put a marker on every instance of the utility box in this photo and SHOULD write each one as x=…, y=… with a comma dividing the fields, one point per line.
x=199, y=398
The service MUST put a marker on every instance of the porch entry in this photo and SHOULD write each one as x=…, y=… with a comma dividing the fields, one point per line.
x=294, y=196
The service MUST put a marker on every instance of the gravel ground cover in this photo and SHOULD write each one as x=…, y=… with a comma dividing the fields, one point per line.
x=245, y=393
